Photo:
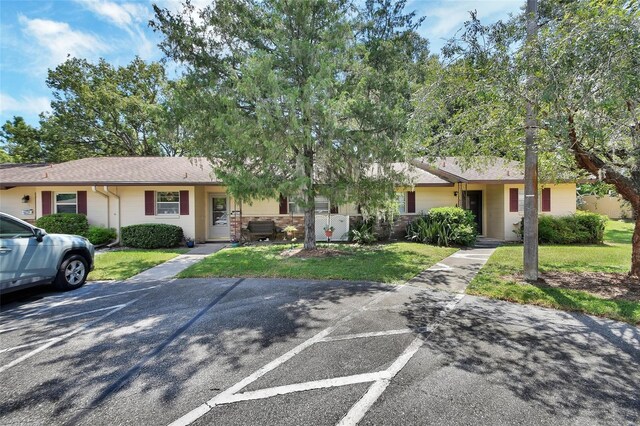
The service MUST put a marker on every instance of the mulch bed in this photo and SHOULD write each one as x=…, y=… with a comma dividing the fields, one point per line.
x=317, y=253
x=605, y=285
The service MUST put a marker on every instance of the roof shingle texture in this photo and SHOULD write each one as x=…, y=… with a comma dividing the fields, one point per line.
x=112, y=170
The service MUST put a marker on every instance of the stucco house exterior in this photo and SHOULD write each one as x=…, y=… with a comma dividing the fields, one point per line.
x=120, y=191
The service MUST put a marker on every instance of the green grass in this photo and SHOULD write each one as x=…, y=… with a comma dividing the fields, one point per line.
x=123, y=264
x=613, y=256
x=383, y=263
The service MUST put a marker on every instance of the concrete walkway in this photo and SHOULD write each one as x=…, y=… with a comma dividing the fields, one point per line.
x=455, y=272
x=170, y=268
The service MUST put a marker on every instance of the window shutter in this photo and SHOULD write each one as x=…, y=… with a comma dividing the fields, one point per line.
x=546, y=199
x=284, y=204
x=149, y=203
x=334, y=209
x=411, y=202
x=184, y=202
x=82, y=202
x=46, y=203
x=513, y=200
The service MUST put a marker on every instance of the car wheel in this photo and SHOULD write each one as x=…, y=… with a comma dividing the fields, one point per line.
x=73, y=273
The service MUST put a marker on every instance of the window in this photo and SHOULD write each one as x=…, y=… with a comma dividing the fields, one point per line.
x=12, y=229
x=520, y=200
x=322, y=206
x=168, y=203
x=66, y=202
x=401, y=198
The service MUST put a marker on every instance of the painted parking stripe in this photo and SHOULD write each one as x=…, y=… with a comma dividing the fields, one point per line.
x=298, y=387
x=364, y=404
x=133, y=371
x=203, y=409
x=63, y=337
x=79, y=301
x=365, y=335
x=26, y=345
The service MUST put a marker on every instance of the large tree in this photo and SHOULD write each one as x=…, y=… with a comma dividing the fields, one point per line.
x=108, y=110
x=299, y=98
x=586, y=89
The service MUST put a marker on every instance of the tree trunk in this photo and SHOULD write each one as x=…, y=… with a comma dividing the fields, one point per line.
x=635, y=248
x=310, y=228
x=309, y=194
x=625, y=187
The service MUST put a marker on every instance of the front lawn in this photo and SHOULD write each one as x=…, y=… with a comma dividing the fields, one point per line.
x=497, y=279
x=123, y=264
x=383, y=263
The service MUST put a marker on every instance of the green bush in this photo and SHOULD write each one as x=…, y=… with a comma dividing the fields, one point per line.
x=444, y=226
x=581, y=228
x=98, y=235
x=151, y=235
x=362, y=232
x=64, y=223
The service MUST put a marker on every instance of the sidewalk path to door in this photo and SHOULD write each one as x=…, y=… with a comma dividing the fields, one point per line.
x=455, y=272
x=171, y=268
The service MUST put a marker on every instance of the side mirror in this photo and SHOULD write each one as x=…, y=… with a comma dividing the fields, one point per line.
x=39, y=233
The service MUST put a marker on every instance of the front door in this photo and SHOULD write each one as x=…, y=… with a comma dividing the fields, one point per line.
x=218, y=217
x=474, y=204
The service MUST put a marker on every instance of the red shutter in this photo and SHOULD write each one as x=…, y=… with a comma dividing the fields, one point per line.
x=149, y=203
x=334, y=209
x=184, y=202
x=284, y=204
x=546, y=199
x=82, y=202
x=513, y=199
x=46, y=202
x=411, y=202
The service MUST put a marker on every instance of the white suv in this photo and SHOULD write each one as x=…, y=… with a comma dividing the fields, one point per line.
x=29, y=256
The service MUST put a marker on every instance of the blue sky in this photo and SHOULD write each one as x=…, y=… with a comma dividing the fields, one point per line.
x=36, y=35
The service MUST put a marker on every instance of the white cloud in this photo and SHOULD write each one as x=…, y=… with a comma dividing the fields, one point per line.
x=26, y=105
x=60, y=40
x=123, y=15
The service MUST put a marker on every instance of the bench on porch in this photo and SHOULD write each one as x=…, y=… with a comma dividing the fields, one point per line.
x=260, y=229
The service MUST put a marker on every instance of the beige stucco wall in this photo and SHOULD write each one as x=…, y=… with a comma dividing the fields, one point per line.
x=10, y=202
x=607, y=205
x=132, y=208
x=563, y=203
x=494, y=212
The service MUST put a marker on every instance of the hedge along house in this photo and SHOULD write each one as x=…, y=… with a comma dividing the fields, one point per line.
x=120, y=191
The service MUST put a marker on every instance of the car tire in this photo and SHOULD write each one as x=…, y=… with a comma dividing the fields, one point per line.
x=72, y=273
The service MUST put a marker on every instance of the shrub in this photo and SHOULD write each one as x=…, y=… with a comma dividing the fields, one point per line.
x=98, y=235
x=581, y=228
x=444, y=226
x=151, y=235
x=362, y=232
x=64, y=223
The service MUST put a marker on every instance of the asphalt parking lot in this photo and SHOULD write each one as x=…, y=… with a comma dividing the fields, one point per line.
x=256, y=351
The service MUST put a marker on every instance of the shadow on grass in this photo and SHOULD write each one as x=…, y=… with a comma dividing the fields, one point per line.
x=567, y=365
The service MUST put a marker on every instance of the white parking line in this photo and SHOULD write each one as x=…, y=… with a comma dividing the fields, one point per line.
x=79, y=301
x=63, y=337
x=203, y=409
x=362, y=335
x=26, y=345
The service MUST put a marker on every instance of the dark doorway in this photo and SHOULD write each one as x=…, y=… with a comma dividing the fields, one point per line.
x=473, y=202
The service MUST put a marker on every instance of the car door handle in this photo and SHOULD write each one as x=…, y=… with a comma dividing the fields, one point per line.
x=5, y=249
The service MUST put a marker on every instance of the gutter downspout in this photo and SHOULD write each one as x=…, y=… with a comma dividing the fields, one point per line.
x=117, y=241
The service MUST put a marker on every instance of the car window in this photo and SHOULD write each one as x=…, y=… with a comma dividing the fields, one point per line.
x=13, y=229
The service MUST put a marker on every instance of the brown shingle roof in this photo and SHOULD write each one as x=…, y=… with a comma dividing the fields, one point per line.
x=112, y=171
x=488, y=170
